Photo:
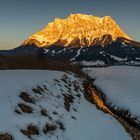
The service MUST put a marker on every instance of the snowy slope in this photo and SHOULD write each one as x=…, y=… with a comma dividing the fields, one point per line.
x=121, y=85
x=56, y=100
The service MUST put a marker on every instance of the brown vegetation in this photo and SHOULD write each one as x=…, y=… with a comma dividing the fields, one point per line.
x=31, y=130
x=49, y=128
x=33, y=62
x=26, y=97
x=61, y=125
x=25, y=108
x=44, y=112
x=39, y=90
x=68, y=99
x=6, y=137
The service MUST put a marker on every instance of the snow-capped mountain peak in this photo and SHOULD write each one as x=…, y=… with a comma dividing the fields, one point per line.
x=78, y=30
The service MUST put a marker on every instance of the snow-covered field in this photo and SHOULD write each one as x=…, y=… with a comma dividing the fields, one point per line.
x=52, y=102
x=121, y=85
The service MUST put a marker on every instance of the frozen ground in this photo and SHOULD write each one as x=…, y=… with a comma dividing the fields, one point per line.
x=121, y=85
x=52, y=97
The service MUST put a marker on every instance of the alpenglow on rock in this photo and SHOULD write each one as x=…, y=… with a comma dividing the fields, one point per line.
x=78, y=30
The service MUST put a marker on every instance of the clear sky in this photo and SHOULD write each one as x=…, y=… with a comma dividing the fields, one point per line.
x=21, y=18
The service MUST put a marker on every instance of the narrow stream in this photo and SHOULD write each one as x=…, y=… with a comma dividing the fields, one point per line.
x=96, y=97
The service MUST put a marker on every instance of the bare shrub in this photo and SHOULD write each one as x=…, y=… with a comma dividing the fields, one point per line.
x=26, y=97
x=6, y=137
x=25, y=108
x=31, y=130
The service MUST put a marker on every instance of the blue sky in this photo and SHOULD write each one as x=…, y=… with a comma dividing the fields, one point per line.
x=21, y=18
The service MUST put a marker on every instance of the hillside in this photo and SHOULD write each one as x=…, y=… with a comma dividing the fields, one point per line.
x=51, y=105
x=120, y=88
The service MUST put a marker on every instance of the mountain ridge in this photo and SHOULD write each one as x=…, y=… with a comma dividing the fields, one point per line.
x=78, y=43
x=78, y=30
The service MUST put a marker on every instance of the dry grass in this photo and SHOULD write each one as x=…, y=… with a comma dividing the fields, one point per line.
x=26, y=97
x=6, y=137
x=68, y=100
x=25, y=108
x=31, y=130
x=49, y=128
x=61, y=125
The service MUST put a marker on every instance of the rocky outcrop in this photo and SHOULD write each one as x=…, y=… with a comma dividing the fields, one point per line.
x=78, y=30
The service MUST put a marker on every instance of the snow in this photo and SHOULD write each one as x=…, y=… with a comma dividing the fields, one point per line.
x=59, y=51
x=78, y=52
x=72, y=59
x=135, y=62
x=90, y=123
x=46, y=50
x=137, y=58
x=114, y=57
x=124, y=44
x=118, y=58
x=121, y=86
x=93, y=63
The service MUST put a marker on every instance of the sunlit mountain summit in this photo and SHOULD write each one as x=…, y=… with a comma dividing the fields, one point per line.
x=78, y=30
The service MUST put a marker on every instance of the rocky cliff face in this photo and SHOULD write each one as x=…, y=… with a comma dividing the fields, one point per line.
x=78, y=30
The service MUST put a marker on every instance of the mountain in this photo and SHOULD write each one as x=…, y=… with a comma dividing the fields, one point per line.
x=84, y=39
x=77, y=30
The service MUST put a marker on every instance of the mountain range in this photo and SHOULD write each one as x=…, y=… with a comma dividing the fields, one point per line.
x=84, y=39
